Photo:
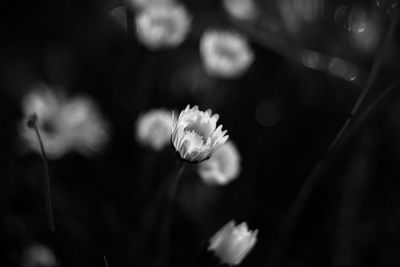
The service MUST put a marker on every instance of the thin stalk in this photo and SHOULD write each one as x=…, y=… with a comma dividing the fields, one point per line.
x=166, y=224
x=49, y=205
x=105, y=262
x=129, y=22
x=290, y=221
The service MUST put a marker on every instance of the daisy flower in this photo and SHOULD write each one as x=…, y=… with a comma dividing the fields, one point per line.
x=195, y=135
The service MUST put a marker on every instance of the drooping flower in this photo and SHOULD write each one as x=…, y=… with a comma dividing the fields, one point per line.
x=232, y=243
x=240, y=9
x=153, y=128
x=64, y=124
x=225, y=54
x=195, y=135
x=222, y=167
x=38, y=255
x=163, y=26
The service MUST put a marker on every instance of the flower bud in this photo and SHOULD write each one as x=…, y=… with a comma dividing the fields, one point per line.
x=195, y=135
x=232, y=243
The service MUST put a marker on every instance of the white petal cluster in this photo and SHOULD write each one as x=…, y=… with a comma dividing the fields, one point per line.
x=163, y=26
x=225, y=54
x=64, y=124
x=195, y=135
x=232, y=243
x=240, y=9
x=153, y=128
x=38, y=255
x=222, y=167
x=143, y=4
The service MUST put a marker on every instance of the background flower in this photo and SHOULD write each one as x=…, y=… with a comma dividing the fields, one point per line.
x=64, y=124
x=142, y=4
x=154, y=127
x=195, y=134
x=232, y=243
x=163, y=26
x=222, y=167
x=38, y=255
x=240, y=9
x=225, y=54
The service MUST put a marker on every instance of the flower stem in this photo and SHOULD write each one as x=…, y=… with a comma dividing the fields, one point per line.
x=166, y=224
x=277, y=253
x=129, y=21
x=105, y=262
x=49, y=210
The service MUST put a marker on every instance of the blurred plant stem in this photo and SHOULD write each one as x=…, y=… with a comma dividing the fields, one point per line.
x=129, y=22
x=166, y=229
x=32, y=123
x=105, y=262
x=276, y=255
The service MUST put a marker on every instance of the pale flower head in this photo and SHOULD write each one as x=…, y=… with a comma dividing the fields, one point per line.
x=163, y=26
x=153, y=128
x=232, y=243
x=225, y=54
x=64, y=124
x=240, y=9
x=38, y=255
x=195, y=135
x=142, y=4
x=222, y=167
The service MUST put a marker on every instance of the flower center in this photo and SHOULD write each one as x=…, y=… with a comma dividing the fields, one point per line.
x=201, y=129
x=226, y=52
x=48, y=127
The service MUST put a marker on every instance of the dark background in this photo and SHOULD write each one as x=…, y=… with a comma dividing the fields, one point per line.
x=281, y=115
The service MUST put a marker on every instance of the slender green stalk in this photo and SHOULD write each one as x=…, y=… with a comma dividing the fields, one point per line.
x=49, y=206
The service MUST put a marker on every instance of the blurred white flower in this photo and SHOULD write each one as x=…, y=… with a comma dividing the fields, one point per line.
x=142, y=4
x=195, y=135
x=38, y=255
x=232, y=243
x=64, y=124
x=154, y=128
x=225, y=54
x=240, y=9
x=163, y=26
x=222, y=167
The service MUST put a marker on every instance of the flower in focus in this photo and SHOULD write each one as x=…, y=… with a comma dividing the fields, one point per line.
x=64, y=124
x=225, y=54
x=154, y=128
x=195, y=135
x=163, y=26
x=240, y=9
x=232, y=243
x=38, y=255
x=222, y=167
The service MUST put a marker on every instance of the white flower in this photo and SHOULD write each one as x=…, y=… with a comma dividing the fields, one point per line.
x=222, y=167
x=225, y=54
x=142, y=4
x=64, y=124
x=38, y=255
x=163, y=26
x=195, y=134
x=240, y=9
x=154, y=128
x=232, y=243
